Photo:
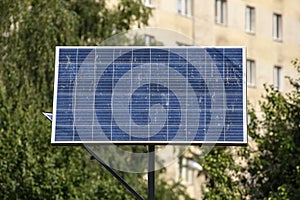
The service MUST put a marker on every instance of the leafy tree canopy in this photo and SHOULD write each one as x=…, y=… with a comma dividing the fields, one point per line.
x=275, y=170
x=269, y=167
x=30, y=168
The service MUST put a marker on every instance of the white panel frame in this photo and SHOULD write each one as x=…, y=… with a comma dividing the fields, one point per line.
x=223, y=143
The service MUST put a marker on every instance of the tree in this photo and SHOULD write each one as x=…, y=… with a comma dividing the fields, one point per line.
x=275, y=171
x=268, y=168
x=30, y=168
x=224, y=173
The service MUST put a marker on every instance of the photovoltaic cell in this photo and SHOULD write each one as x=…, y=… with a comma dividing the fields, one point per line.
x=143, y=95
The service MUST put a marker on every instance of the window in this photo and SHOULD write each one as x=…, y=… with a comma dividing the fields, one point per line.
x=187, y=169
x=185, y=172
x=277, y=82
x=277, y=27
x=248, y=119
x=250, y=19
x=184, y=7
x=221, y=11
x=148, y=3
x=149, y=40
x=250, y=73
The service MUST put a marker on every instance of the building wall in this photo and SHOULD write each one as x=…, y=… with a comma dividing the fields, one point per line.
x=261, y=47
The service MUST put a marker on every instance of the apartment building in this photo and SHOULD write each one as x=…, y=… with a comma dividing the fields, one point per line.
x=269, y=29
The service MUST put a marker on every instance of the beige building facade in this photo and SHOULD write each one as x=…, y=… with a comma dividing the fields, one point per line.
x=269, y=29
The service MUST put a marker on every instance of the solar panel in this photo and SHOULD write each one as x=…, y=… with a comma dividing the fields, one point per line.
x=138, y=95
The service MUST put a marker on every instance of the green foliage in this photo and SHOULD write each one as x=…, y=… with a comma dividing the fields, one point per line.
x=272, y=156
x=224, y=179
x=128, y=40
x=167, y=190
x=275, y=169
x=30, y=168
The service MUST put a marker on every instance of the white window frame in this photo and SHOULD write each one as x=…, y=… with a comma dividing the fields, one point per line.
x=221, y=12
x=277, y=78
x=250, y=19
x=248, y=119
x=149, y=3
x=277, y=27
x=251, y=73
x=149, y=39
x=184, y=7
x=186, y=173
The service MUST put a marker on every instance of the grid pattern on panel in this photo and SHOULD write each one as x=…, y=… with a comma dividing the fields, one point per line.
x=147, y=94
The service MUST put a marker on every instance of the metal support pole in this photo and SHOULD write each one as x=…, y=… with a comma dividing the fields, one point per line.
x=151, y=172
x=114, y=173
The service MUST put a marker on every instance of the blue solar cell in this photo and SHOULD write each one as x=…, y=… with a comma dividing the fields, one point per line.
x=151, y=95
x=67, y=55
x=86, y=55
